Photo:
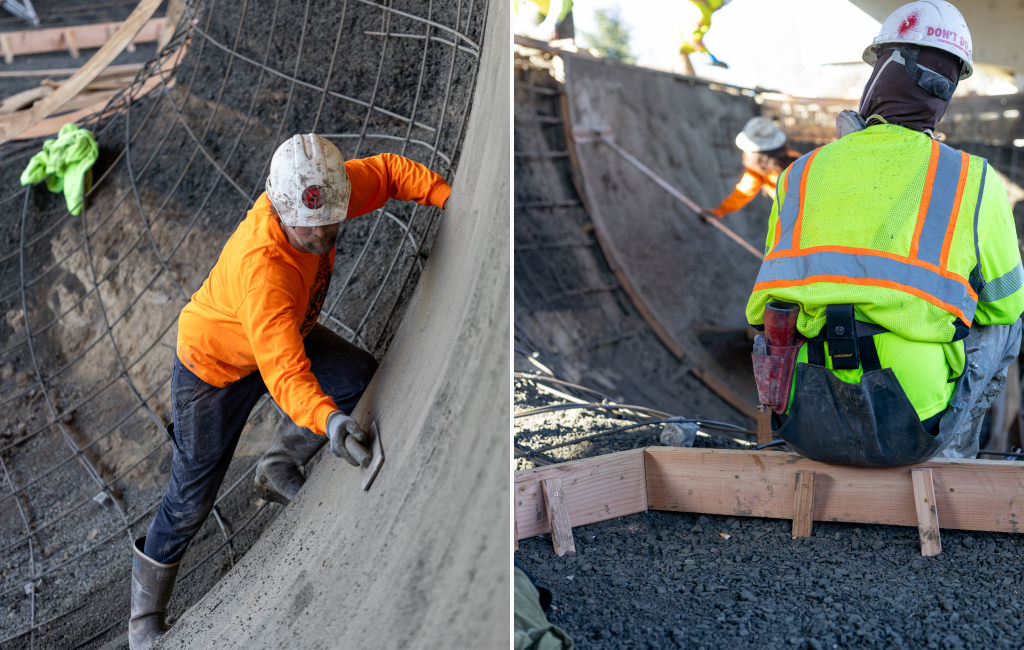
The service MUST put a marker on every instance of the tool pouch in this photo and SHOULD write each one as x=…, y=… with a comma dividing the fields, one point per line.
x=773, y=373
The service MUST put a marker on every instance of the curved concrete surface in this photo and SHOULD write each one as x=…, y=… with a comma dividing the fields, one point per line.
x=683, y=275
x=618, y=285
x=421, y=559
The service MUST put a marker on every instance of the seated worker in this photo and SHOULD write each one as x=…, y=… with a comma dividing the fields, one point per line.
x=250, y=329
x=765, y=156
x=901, y=256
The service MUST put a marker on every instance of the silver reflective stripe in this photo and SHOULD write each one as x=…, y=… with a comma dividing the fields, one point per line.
x=790, y=208
x=1003, y=286
x=940, y=205
x=868, y=267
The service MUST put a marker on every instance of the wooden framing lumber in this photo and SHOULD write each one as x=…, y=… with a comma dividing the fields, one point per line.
x=73, y=39
x=969, y=494
x=92, y=68
x=927, y=515
x=96, y=103
x=594, y=489
x=558, y=516
x=803, y=504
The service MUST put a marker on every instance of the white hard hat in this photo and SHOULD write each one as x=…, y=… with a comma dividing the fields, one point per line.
x=308, y=184
x=926, y=23
x=760, y=134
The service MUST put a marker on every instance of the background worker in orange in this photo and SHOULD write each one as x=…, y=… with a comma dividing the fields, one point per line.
x=252, y=328
x=765, y=156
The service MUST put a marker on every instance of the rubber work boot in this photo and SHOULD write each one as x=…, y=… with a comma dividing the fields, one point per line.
x=278, y=474
x=152, y=584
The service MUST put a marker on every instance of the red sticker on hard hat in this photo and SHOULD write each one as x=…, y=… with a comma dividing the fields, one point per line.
x=312, y=197
x=909, y=23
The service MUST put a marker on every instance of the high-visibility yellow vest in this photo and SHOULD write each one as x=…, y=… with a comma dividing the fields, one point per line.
x=895, y=223
x=884, y=219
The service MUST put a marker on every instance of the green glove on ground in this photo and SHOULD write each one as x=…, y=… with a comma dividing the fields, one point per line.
x=66, y=165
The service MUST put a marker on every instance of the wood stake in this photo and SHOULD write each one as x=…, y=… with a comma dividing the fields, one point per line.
x=803, y=504
x=558, y=517
x=927, y=514
x=764, y=427
x=5, y=45
x=69, y=41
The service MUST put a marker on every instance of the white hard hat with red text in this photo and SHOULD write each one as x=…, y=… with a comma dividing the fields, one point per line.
x=926, y=23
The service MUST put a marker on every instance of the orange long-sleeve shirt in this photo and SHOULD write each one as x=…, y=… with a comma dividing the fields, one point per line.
x=263, y=296
x=750, y=184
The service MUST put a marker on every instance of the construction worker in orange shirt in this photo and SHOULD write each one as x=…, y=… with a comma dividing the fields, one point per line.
x=251, y=329
x=765, y=156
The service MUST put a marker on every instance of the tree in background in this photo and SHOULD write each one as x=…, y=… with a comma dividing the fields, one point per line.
x=612, y=37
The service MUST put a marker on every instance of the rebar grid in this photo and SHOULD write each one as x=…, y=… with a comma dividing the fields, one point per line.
x=129, y=259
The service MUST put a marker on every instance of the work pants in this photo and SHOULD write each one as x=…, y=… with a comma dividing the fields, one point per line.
x=208, y=422
x=990, y=350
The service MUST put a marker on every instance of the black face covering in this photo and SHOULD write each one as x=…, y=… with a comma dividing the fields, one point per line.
x=915, y=93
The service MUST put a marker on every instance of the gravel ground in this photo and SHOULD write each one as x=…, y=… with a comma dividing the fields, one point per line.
x=677, y=580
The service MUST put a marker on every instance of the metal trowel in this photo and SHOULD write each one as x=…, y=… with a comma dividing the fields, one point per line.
x=370, y=459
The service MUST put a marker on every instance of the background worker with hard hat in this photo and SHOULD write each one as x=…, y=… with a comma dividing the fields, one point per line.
x=765, y=156
x=252, y=328
x=897, y=258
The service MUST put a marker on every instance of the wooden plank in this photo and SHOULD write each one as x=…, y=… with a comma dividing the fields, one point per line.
x=971, y=494
x=803, y=504
x=60, y=72
x=764, y=427
x=25, y=98
x=927, y=515
x=558, y=516
x=52, y=125
x=82, y=37
x=92, y=68
x=595, y=489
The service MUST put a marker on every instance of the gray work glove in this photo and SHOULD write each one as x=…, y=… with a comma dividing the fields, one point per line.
x=340, y=427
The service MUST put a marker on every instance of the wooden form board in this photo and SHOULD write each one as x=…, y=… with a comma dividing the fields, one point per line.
x=74, y=38
x=969, y=494
x=593, y=490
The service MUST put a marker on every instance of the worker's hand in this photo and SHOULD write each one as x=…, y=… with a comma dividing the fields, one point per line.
x=339, y=427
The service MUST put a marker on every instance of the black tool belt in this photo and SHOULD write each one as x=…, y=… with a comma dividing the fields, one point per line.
x=871, y=423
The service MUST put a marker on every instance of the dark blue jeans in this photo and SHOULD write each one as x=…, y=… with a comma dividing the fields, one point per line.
x=208, y=422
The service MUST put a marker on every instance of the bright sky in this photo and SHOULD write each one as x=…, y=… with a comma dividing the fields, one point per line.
x=810, y=48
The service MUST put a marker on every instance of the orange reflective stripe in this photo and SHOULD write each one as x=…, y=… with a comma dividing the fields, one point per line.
x=951, y=228
x=885, y=284
x=803, y=197
x=926, y=197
